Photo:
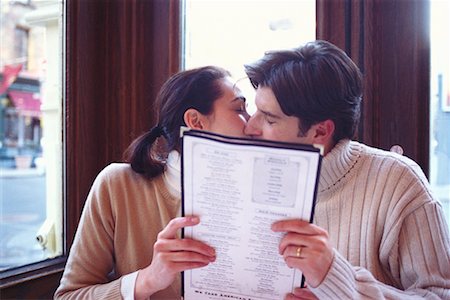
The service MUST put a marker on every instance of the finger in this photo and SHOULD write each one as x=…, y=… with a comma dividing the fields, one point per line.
x=291, y=297
x=170, y=231
x=298, y=240
x=183, y=266
x=297, y=252
x=304, y=293
x=298, y=291
x=165, y=245
x=298, y=226
x=187, y=257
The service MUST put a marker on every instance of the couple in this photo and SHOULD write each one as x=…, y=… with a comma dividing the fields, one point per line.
x=377, y=233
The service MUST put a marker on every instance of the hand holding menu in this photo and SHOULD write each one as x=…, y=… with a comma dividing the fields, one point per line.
x=238, y=188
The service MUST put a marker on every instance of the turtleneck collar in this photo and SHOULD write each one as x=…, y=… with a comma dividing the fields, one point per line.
x=172, y=175
x=337, y=164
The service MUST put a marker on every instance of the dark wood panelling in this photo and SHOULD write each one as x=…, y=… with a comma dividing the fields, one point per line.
x=331, y=21
x=118, y=57
x=401, y=68
x=389, y=42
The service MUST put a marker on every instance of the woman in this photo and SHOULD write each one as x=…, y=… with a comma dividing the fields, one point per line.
x=127, y=243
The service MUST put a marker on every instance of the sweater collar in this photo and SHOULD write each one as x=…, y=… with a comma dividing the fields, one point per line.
x=172, y=175
x=338, y=163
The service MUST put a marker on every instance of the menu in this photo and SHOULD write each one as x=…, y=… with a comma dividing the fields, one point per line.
x=238, y=187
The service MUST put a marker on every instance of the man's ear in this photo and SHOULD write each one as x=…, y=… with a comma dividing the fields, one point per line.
x=194, y=119
x=323, y=132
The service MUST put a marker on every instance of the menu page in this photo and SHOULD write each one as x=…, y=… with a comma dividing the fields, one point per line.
x=238, y=191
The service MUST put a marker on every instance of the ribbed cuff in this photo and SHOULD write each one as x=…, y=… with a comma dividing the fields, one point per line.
x=108, y=291
x=339, y=283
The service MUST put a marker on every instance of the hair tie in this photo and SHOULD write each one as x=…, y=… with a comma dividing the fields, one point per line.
x=156, y=131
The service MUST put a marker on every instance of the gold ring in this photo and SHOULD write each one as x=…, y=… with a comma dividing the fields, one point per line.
x=299, y=251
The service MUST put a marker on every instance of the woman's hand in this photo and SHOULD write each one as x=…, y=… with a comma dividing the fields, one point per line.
x=171, y=256
x=301, y=294
x=305, y=247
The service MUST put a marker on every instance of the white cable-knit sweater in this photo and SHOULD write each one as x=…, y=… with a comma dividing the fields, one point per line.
x=390, y=236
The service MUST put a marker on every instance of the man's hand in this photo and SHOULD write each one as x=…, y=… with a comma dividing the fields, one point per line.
x=305, y=247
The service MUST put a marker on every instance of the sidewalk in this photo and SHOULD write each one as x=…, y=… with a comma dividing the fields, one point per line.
x=14, y=172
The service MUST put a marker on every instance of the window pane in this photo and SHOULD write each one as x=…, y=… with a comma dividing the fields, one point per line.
x=440, y=103
x=231, y=33
x=30, y=132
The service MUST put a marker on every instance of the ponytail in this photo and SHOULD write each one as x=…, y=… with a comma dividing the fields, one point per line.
x=140, y=154
x=196, y=88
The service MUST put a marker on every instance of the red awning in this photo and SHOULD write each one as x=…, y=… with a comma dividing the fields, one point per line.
x=26, y=103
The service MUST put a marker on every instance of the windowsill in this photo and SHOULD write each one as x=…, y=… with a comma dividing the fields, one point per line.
x=30, y=272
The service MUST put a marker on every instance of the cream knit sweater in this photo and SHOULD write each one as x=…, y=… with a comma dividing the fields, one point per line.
x=390, y=237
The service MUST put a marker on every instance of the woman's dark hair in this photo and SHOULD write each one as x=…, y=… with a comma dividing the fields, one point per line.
x=314, y=83
x=195, y=88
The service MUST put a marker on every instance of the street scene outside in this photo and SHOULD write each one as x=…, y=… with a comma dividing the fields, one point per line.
x=22, y=205
x=30, y=131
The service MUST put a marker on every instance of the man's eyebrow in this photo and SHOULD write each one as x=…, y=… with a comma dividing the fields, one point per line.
x=269, y=114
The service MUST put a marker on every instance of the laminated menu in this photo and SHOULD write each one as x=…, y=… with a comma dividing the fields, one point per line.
x=238, y=187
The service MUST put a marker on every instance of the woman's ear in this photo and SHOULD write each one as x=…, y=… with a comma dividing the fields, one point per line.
x=194, y=119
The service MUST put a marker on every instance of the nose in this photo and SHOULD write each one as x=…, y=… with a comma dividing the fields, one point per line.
x=252, y=127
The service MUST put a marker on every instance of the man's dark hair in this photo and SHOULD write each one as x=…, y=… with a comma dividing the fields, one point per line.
x=314, y=83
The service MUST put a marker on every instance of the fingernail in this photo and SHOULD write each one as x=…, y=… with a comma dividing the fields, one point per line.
x=193, y=219
x=212, y=252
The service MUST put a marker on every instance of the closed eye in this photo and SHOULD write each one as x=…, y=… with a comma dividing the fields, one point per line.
x=270, y=118
x=270, y=122
x=242, y=105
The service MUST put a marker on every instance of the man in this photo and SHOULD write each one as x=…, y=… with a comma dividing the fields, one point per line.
x=378, y=232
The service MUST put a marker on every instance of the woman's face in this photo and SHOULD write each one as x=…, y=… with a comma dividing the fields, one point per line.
x=229, y=115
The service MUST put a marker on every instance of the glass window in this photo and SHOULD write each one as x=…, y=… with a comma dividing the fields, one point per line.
x=21, y=44
x=440, y=103
x=231, y=33
x=30, y=132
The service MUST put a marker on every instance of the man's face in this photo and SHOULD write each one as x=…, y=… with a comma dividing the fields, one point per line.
x=270, y=123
